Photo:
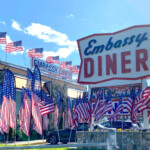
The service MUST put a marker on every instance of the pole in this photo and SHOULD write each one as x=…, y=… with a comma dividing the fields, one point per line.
x=24, y=60
x=70, y=134
x=122, y=130
x=6, y=57
x=145, y=112
x=58, y=134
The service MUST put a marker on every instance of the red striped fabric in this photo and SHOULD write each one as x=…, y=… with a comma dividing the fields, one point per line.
x=32, y=53
x=5, y=114
x=46, y=109
x=3, y=41
x=3, y=38
x=11, y=48
x=56, y=117
x=36, y=114
x=25, y=115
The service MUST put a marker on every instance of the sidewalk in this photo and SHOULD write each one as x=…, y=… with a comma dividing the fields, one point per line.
x=34, y=142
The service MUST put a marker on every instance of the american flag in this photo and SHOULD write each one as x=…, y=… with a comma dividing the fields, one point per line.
x=1, y=94
x=14, y=46
x=82, y=111
x=141, y=101
x=75, y=114
x=129, y=102
x=69, y=114
x=37, y=52
x=146, y=96
x=57, y=108
x=66, y=64
x=106, y=107
x=51, y=59
x=27, y=103
x=21, y=110
x=64, y=113
x=25, y=111
x=75, y=69
x=118, y=110
x=6, y=104
x=1, y=100
x=131, y=105
x=99, y=103
x=12, y=99
x=3, y=38
x=36, y=97
x=46, y=105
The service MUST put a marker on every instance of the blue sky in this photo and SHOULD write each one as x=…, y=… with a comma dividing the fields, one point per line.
x=55, y=25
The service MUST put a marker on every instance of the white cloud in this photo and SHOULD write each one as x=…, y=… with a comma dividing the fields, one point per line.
x=47, y=34
x=70, y=16
x=17, y=52
x=8, y=39
x=2, y=22
x=16, y=25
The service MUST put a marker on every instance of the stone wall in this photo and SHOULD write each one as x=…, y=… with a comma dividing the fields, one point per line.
x=125, y=140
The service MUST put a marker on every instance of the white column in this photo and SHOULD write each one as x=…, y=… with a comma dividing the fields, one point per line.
x=145, y=112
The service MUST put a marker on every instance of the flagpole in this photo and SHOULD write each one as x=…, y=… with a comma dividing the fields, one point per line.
x=24, y=59
x=6, y=57
x=43, y=130
x=58, y=134
x=122, y=130
x=122, y=119
x=70, y=134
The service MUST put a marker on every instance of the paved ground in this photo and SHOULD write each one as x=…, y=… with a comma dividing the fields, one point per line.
x=35, y=142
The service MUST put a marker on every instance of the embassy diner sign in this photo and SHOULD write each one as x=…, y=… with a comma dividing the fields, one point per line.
x=52, y=69
x=121, y=55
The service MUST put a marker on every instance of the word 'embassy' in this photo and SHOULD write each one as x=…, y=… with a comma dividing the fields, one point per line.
x=91, y=49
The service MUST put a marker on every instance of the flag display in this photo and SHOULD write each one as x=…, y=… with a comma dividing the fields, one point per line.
x=36, y=97
x=8, y=111
x=64, y=113
x=99, y=103
x=51, y=59
x=3, y=38
x=75, y=69
x=66, y=64
x=5, y=104
x=106, y=107
x=141, y=103
x=118, y=110
x=57, y=108
x=1, y=94
x=82, y=111
x=46, y=104
x=25, y=112
x=129, y=102
x=14, y=46
x=12, y=102
x=1, y=100
x=69, y=114
x=37, y=52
